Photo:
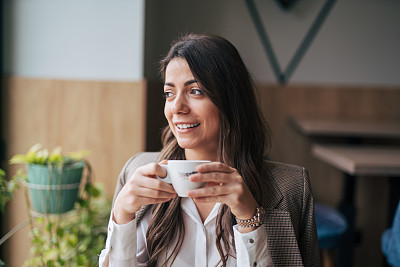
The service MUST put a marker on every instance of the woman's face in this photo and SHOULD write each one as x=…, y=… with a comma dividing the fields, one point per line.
x=192, y=117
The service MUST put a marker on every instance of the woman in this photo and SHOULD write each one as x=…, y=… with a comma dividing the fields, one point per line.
x=251, y=212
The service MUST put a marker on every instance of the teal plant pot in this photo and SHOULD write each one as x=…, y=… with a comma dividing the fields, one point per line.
x=54, y=190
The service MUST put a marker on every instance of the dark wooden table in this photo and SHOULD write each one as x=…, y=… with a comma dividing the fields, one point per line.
x=360, y=161
x=346, y=145
x=329, y=127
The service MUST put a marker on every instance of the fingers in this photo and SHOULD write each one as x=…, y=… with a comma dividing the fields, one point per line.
x=216, y=193
x=216, y=173
x=152, y=170
x=215, y=167
x=142, y=189
x=153, y=184
x=154, y=189
x=143, y=186
x=235, y=195
x=221, y=180
x=124, y=209
x=215, y=177
x=224, y=185
x=150, y=200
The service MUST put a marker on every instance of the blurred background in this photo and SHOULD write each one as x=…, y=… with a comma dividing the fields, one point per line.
x=84, y=75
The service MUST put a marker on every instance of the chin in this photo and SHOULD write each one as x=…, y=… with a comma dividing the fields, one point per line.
x=187, y=144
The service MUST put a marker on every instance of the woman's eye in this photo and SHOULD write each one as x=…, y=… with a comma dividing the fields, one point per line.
x=166, y=95
x=197, y=92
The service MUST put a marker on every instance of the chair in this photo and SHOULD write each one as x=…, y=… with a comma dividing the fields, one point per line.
x=331, y=226
x=390, y=242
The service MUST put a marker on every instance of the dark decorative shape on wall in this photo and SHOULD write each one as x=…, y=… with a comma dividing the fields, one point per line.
x=286, y=4
x=283, y=76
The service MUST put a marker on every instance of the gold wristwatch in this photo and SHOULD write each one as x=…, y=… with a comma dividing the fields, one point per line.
x=257, y=219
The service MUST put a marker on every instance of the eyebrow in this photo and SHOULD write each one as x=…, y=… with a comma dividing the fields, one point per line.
x=185, y=84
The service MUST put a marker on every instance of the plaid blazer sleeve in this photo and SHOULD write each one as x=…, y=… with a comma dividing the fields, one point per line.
x=290, y=220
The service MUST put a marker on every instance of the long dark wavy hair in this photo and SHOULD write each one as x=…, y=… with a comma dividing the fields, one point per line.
x=244, y=139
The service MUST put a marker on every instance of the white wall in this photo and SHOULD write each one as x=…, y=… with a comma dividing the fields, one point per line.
x=75, y=39
x=358, y=43
x=103, y=39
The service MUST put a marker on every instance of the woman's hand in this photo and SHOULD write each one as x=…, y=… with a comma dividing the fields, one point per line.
x=225, y=185
x=142, y=189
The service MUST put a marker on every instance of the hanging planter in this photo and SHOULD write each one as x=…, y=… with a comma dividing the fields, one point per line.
x=54, y=189
x=53, y=179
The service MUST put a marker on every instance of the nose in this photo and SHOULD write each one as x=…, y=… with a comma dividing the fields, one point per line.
x=180, y=104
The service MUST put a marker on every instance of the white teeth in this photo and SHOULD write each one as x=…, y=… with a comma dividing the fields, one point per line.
x=186, y=126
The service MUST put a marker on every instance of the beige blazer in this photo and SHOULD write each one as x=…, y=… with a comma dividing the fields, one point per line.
x=289, y=207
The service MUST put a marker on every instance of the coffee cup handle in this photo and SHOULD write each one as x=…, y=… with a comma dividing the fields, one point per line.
x=167, y=178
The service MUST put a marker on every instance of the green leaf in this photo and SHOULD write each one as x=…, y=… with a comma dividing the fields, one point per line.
x=31, y=156
x=17, y=159
x=12, y=186
x=35, y=148
x=51, y=254
x=79, y=155
x=72, y=240
x=56, y=157
x=49, y=227
x=41, y=157
x=61, y=262
x=92, y=190
x=60, y=232
x=81, y=260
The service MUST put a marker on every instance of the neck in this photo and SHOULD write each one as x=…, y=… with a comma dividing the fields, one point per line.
x=200, y=155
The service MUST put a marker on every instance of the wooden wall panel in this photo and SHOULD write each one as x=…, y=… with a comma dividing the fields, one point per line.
x=107, y=118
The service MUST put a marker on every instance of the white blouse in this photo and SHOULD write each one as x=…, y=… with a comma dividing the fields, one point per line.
x=126, y=244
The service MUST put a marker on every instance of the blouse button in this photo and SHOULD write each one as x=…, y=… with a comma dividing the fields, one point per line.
x=255, y=264
x=251, y=241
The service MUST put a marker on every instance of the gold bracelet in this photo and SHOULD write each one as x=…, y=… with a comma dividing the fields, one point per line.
x=257, y=219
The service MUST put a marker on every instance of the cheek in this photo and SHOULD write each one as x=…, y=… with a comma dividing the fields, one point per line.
x=216, y=127
x=167, y=111
x=214, y=121
x=168, y=116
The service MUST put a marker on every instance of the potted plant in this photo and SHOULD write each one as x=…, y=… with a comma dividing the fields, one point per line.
x=7, y=189
x=74, y=238
x=53, y=179
x=5, y=196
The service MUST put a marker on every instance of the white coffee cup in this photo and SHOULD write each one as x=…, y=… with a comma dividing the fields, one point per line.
x=178, y=172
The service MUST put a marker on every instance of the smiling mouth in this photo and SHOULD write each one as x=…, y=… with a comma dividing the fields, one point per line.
x=187, y=126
